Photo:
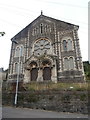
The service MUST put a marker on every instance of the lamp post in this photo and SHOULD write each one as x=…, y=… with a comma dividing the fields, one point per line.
x=2, y=34
x=18, y=72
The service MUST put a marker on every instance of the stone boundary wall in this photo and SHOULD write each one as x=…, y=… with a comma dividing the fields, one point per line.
x=61, y=101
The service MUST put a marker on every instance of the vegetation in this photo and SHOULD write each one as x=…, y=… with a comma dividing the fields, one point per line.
x=53, y=86
x=87, y=70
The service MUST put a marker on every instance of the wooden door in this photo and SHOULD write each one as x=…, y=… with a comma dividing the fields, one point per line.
x=46, y=73
x=34, y=74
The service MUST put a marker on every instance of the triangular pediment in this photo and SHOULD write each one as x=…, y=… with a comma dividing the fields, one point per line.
x=42, y=18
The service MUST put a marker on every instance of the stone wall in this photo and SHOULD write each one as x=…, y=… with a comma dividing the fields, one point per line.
x=55, y=100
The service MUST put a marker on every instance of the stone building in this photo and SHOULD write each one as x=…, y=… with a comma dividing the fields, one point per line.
x=46, y=50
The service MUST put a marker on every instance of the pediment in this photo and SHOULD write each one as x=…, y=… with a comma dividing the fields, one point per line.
x=45, y=19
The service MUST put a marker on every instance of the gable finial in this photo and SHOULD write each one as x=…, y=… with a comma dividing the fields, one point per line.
x=41, y=12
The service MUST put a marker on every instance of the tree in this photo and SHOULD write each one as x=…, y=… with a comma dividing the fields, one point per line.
x=87, y=69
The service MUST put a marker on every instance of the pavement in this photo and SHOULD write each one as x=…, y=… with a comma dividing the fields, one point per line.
x=12, y=112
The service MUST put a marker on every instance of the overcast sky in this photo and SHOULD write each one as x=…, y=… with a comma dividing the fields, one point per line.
x=17, y=14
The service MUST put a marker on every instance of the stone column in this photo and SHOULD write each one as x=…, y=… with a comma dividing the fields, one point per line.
x=59, y=49
x=40, y=75
x=54, y=73
x=55, y=39
x=27, y=76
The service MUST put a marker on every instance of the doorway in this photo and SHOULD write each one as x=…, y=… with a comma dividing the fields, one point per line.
x=47, y=73
x=34, y=74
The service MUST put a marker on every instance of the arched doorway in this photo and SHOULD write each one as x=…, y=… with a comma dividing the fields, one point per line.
x=34, y=74
x=46, y=73
x=46, y=70
x=33, y=71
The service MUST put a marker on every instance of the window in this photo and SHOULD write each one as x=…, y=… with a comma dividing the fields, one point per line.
x=42, y=46
x=41, y=28
x=19, y=51
x=68, y=63
x=16, y=67
x=69, y=44
x=71, y=63
x=45, y=28
x=22, y=50
x=64, y=45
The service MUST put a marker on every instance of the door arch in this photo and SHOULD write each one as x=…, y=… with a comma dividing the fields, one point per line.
x=47, y=73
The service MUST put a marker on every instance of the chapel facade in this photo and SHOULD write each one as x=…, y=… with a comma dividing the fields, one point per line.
x=46, y=50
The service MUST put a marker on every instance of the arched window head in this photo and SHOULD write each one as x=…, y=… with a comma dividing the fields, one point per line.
x=46, y=63
x=33, y=64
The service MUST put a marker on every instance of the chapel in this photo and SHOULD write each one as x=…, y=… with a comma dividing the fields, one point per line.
x=46, y=50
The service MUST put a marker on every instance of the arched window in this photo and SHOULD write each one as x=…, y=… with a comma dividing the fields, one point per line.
x=66, y=65
x=71, y=63
x=17, y=52
x=69, y=45
x=64, y=45
x=16, y=67
x=45, y=28
x=41, y=28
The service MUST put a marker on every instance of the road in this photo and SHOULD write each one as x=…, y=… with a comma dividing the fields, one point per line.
x=10, y=112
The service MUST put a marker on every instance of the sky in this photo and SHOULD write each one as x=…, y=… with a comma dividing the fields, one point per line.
x=17, y=14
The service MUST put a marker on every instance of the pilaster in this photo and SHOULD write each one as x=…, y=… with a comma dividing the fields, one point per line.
x=54, y=73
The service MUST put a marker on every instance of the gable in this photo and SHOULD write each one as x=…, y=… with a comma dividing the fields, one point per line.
x=42, y=19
